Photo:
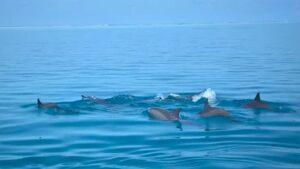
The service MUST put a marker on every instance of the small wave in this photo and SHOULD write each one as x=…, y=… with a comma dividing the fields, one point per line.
x=208, y=94
x=168, y=96
x=174, y=95
x=160, y=97
x=123, y=99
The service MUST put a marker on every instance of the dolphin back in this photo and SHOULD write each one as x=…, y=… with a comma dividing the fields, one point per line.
x=161, y=114
x=257, y=103
x=176, y=113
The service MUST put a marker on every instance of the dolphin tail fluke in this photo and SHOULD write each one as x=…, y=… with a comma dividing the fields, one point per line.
x=83, y=96
x=257, y=97
x=176, y=112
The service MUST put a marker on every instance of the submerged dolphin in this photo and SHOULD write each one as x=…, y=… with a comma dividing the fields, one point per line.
x=213, y=111
x=46, y=105
x=94, y=99
x=257, y=103
x=161, y=114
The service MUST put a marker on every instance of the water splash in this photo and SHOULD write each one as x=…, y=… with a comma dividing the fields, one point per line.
x=208, y=94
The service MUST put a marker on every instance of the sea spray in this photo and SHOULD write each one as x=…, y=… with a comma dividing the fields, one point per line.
x=209, y=94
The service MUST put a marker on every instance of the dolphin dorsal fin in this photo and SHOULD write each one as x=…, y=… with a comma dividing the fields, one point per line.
x=39, y=102
x=176, y=112
x=206, y=105
x=257, y=97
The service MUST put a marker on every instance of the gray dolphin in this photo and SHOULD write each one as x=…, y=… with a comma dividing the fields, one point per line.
x=213, y=111
x=94, y=99
x=257, y=103
x=46, y=105
x=161, y=114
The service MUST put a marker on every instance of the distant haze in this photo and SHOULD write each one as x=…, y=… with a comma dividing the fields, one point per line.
x=99, y=12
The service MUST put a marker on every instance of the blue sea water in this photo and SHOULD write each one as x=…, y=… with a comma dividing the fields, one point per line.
x=135, y=68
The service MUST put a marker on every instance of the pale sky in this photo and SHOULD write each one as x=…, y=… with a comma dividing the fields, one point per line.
x=98, y=12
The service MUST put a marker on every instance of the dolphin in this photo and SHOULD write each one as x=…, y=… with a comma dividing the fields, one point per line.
x=46, y=105
x=94, y=99
x=257, y=103
x=213, y=111
x=161, y=114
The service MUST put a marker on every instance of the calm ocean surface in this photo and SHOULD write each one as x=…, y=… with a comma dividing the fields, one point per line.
x=135, y=68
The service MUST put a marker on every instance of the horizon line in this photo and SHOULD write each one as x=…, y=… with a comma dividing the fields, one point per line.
x=143, y=25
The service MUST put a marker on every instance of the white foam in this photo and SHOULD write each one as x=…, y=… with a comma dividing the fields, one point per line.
x=160, y=97
x=174, y=95
x=163, y=97
x=209, y=94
